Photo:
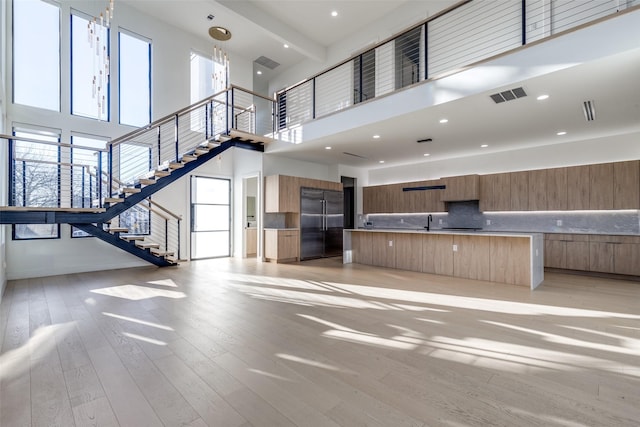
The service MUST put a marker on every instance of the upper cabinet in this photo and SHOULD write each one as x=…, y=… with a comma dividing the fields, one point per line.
x=282, y=194
x=537, y=190
x=626, y=185
x=461, y=188
x=519, y=191
x=495, y=192
x=408, y=197
x=557, y=189
x=578, y=187
x=601, y=186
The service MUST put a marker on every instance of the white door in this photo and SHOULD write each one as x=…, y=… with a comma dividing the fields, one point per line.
x=210, y=217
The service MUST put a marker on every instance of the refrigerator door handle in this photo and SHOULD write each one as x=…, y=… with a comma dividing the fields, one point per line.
x=324, y=215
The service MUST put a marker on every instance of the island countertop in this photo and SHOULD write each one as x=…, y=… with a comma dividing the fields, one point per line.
x=504, y=257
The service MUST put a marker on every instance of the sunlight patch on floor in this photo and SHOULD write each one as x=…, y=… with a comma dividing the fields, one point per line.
x=138, y=321
x=369, y=339
x=270, y=375
x=15, y=363
x=137, y=293
x=164, y=282
x=144, y=339
x=308, y=362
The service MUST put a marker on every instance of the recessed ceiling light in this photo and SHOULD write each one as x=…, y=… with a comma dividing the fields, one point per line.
x=334, y=13
x=444, y=121
x=484, y=145
x=427, y=154
x=327, y=148
x=286, y=46
x=542, y=97
x=381, y=161
x=259, y=72
x=376, y=136
x=561, y=133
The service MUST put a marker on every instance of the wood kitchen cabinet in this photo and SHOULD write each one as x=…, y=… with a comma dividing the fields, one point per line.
x=627, y=258
x=361, y=248
x=601, y=186
x=408, y=251
x=495, y=192
x=578, y=187
x=537, y=181
x=461, y=188
x=383, y=249
x=557, y=189
x=471, y=257
x=437, y=251
x=567, y=251
x=519, y=190
x=626, y=185
x=510, y=260
x=555, y=251
x=281, y=245
x=281, y=194
x=601, y=253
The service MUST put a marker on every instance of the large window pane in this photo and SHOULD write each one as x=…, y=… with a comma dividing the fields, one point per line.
x=212, y=191
x=36, y=54
x=135, y=80
x=36, y=179
x=89, y=68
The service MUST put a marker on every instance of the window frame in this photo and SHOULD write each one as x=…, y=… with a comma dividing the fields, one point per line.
x=149, y=42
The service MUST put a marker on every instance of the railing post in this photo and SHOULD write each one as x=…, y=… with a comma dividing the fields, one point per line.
x=177, y=138
x=524, y=22
x=110, y=161
x=426, y=50
x=166, y=234
x=206, y=122
x=90, y=191
x=178, y=239
x=99, y=179
x=12, y=176
x=82, y=186
x=233, y=109
x=159, y=147
x=313, y=98
x=24, y=183
x=360, y=86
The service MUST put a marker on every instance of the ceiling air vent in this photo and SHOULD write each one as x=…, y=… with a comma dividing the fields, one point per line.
x=354, y=155
x=266, y=62
x=508, y=95
x=589, y=110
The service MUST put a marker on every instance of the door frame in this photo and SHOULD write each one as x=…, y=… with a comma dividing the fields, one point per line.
x=190, y=213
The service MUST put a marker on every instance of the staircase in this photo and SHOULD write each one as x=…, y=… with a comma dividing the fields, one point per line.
x=138, y=165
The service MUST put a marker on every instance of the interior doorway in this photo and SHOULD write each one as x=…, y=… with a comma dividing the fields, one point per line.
x=210, y=217
x=250, y=215
x=349, y=210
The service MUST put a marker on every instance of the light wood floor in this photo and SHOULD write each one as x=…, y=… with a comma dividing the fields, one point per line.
x=233, y=342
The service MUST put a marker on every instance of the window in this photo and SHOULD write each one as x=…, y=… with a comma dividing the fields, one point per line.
x=135, y=79
x=207, y=77
x=36, y=179
x=88, y=162
x=210, y=217
x=89, y=68
x=36, y=54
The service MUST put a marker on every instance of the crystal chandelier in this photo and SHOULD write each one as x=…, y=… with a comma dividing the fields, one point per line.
x=98, y=37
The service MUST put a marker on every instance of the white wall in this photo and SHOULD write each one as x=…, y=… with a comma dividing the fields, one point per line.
x=171, y=50
x=3, y=144
x=599, y=150
x=278, y=165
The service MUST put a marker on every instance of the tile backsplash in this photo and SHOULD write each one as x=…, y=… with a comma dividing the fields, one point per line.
x=468, y=215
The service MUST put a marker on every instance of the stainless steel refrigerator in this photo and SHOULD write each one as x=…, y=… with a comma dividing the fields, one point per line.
x=321, y=223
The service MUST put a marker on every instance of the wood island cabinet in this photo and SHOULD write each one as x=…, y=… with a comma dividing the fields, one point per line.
x=408, y=251
x=383, y=250
x=471, y=257
x=438, y=254
x=361, y=248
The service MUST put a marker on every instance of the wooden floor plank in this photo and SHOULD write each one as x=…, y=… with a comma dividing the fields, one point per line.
x=242, y=343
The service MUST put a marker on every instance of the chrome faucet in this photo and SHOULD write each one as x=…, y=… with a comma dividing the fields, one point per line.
x=429, y=220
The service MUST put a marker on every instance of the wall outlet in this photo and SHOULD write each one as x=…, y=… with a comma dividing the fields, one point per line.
x=390, y=243
x=455, y=248
x=488, y=222
x=559, y=223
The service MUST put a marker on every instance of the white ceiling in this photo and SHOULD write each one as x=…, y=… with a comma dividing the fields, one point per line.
x=261, y=27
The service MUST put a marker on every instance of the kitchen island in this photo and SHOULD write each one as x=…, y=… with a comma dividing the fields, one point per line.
x=513, y=258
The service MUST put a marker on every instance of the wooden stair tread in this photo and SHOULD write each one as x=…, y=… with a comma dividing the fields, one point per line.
x=143, y=245
x=176, y=165
x=159, y=252
x=246, y=136
x=117, y=230
x=162, y=173
x=130, y=190
x=146, y=181
x=132, y=238
x=200, y=151
x=189, y=158
x=112, y=200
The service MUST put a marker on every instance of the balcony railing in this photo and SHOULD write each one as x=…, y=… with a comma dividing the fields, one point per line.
x=465, y=34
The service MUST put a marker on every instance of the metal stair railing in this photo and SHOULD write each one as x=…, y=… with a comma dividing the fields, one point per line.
x=169, y=141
